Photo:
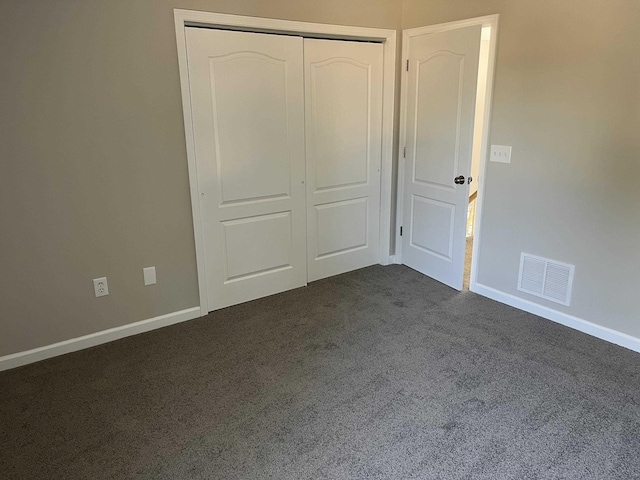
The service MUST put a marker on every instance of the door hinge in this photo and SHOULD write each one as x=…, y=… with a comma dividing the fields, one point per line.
x=400, y=231
x=404, y=152
x=407, y=64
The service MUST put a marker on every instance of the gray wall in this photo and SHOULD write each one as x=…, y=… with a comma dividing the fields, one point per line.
x=567, y=98
x=93, y=163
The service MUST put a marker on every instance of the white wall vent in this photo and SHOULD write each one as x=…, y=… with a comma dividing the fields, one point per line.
x=545, y=278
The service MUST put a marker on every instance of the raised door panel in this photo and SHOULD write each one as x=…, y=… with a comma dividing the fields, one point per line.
x=341, y=227
x=425, y=213
x=247, y=100
x=258, y=168
x=343, y=149
x=340, y=122
x=438, y=108
x=246, y=257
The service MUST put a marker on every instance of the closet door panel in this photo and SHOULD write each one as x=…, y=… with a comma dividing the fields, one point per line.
x=343, y=100
x=247, y=99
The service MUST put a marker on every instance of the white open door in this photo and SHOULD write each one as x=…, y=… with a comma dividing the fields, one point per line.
x=247, y=99
x=440, y=104
x=343, y=89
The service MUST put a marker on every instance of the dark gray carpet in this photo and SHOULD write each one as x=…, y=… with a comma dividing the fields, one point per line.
x=376, y=374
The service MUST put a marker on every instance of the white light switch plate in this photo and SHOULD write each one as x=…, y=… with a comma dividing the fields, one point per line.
x=149, y=275
x=500, y=153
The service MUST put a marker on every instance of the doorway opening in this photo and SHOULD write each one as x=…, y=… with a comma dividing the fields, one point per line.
x=432, y=208
x=478, y=151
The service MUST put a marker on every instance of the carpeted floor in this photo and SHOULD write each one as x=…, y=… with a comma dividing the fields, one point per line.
x=380, y=373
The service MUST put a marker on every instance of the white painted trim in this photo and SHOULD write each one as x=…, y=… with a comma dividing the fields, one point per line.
x=272, y=25
x=386, y=166
x=492, y=21
x=402, y=142
x=387, y=37
x=72, y=345
x=486, y=21
x=584, y=326
x=198, y=234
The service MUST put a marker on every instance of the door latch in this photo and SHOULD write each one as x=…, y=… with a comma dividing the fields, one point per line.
x=460, y=180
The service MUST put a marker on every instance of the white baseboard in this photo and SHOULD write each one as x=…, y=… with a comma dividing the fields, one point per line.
x=603, y=333
x=31, y=356
x=72, y=345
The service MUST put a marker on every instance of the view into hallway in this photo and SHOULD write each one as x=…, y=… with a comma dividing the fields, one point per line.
x=471, y=214
x=477, y=152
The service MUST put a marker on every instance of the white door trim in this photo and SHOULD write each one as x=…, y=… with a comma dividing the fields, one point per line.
x=184, y=18
x=486, y=21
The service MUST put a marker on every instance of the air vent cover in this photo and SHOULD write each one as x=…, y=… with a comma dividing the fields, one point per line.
x=545, y=278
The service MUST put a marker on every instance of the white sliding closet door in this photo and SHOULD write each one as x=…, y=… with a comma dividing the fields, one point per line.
x=247, y=99
x=343, y=93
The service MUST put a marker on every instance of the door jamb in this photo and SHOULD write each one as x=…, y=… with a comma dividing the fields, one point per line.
x=185, y=18
x=485, y=21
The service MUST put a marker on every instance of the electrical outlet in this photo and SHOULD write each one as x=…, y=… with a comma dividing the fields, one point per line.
x=100, y=286
x=149, y=275
x=500, y=153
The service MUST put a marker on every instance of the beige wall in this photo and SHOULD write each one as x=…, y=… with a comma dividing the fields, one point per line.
x=93, y=164
x=567, y=98
x=94, y=177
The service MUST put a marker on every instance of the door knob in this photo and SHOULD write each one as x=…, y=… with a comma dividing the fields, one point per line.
x=459, y=180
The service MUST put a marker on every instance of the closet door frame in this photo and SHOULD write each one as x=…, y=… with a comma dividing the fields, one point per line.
x=387, y=37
